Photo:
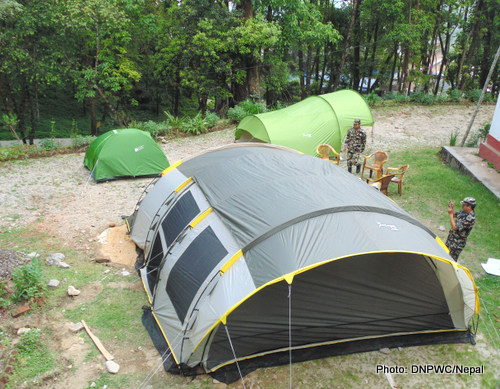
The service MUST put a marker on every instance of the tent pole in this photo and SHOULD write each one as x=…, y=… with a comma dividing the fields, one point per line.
x=290, y=329
x=235, y=358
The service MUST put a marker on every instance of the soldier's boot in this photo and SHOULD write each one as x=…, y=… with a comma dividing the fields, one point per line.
x=349, y=169
x=358, y=167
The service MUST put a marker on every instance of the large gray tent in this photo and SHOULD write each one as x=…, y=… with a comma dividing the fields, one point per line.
x=251, y=250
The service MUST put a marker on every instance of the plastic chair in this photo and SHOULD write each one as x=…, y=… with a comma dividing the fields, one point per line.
x=377, y=164
x=398, y=175
x=382, y=183
x=325, y=152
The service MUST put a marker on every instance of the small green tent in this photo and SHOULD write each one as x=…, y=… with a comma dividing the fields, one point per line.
x=124, y=153
x=309, y=123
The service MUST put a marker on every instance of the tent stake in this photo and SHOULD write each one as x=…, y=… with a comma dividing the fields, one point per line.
x=235, y=359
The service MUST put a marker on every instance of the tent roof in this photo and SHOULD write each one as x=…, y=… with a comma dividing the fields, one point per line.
x=123, y=153
x=313, y=121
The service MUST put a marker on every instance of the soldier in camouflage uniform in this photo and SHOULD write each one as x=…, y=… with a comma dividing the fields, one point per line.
x=461, y=228
x=354, y=145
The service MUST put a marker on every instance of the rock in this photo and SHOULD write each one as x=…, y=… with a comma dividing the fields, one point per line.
x=56, y=259
x=125, y=273
x=23, y=330
x=33, y=254
x=112, y=367
x=21, y=311
x=441, y=228
x=72, y=291
x=385, y=350
x=112, y=225
x=53, y=283
x=75, y=327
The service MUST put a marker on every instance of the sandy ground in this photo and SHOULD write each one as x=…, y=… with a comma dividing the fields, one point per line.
x=58, y=194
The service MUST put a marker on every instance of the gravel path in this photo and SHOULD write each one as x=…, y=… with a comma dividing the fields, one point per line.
x=59, y=193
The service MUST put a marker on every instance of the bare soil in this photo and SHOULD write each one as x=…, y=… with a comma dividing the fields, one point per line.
x=57, y=195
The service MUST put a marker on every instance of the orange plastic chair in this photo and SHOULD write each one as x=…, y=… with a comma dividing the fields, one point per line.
x=375, y=162
x=382, y=183
x=327, y=152
x=398, y=175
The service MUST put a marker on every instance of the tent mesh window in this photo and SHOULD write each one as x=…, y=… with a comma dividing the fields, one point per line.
x=184, y=210
x=154, y=262
x=192, y=268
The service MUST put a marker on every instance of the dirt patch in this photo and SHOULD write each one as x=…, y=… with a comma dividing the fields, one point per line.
x=117, y=245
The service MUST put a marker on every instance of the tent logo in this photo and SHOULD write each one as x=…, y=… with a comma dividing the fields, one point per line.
x=307, y=135
x=139, y=148
x=392, y=227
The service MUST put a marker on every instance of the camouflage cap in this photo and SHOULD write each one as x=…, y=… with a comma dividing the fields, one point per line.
x=469, y=200
x=357, y=121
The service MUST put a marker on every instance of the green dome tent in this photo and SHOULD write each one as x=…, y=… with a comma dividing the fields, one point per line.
x=251, y=250
x=124, y=153
x=309, y=123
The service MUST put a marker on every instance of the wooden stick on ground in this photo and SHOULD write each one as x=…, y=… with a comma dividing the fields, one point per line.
x=98, y=343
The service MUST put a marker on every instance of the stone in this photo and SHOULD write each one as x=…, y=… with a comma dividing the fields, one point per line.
x=112, y=225
x=75, y=327
x=385, y=350
x=72, y=291
x=56, y=259
x=21, y=311
x=53, y=283
x=102, y=260
x=112, y=367
x=442, y=228
x=23, y=330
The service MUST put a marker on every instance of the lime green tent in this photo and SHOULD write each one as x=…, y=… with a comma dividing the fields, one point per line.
x=124, y=153
x=309, y=123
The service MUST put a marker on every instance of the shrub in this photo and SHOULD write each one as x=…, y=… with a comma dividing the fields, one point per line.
x=454, y=95
x=211, y=119
x=79, y=141
x=453, y=138
x=401, y=99
x=195, y=125
x=174, y=122
x=245, y=108
x=28, y=281
x=371, y=99
x=152, y=127
x=236, y=114
x=423, y=98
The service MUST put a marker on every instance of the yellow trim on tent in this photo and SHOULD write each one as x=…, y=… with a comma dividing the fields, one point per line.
x=163, y=333
x=290, y=276
x=128, y=225
x=330, y=343
x=476, y=311
x=179, y=188
x=171, y=167
x=146, y=290
x=200, y=218
x=230, y=263
x=442, y=244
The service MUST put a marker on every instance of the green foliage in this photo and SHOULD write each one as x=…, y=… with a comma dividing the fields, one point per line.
x=195, y=125
x=454, y=95
x=371, y=99
x=80, y=141
x=422, y=98
x=175, y=122
x=475, y=94
x=154, y=128
x=28, y=281
x=245, y=108
x=211, y=119
x=453, y=138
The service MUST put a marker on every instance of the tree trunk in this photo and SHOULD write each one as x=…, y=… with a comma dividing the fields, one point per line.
x=340, y=70
x=93, y=119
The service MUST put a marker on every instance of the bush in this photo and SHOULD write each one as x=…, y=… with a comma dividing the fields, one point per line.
x=422, y=98
x=28, y=281
x=245, y=108
x=175, y=122
x=454, y=95
x=211, y=119
x=401, y=99
x=195, y=125
x=371, y=99
x=152, y=127
x=236, y=114
x=79, y=141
